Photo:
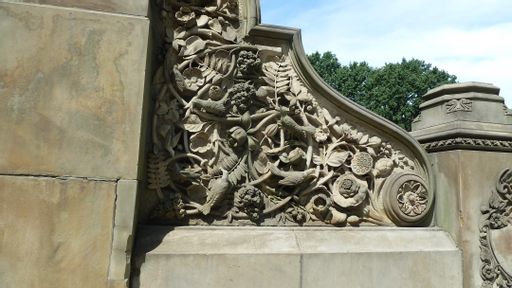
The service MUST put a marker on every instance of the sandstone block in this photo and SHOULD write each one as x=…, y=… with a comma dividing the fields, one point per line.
x=71, y=91
x=55, y=232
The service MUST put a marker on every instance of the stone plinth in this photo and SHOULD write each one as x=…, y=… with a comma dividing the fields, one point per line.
x=72, y=90
x=468, y=131
x=55, y=232
x=295, y=257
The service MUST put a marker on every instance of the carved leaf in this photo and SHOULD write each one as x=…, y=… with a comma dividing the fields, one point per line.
x=193, y=123
x=202, y=20
x=193, y=44
x=318, y=160
x=229, y=33
x=216, y=64
x=337, y=158
x=238, y=172
x=200, y=142
x=215, y=25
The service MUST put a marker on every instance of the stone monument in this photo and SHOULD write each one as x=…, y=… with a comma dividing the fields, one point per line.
x=261, y=168
x=189, y=129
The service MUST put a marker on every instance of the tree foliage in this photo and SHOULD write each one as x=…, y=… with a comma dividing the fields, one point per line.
x=393, y=91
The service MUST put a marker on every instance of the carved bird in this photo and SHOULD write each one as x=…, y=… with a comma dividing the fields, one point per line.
x=214, y=107
x=290, y=124
x=217, y=189
x=292, y=178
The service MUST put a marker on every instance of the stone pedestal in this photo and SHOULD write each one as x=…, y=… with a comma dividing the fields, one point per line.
x=467, y=131
x=72, y=86
x=295, y=257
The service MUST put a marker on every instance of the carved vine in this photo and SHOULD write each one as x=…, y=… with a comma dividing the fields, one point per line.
x=238, y=137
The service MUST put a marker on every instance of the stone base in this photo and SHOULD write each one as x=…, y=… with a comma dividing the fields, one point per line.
x=295, y=257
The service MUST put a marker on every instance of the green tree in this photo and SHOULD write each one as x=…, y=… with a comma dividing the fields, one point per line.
x=393, y=91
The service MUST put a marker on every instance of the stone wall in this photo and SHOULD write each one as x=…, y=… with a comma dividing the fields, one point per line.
x=72, y=86
x=468, y=132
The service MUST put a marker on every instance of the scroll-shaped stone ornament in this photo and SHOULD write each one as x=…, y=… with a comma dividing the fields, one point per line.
x=244, y=133
x=496, y=233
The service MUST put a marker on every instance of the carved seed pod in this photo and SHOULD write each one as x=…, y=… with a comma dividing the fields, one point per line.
x=362, y=163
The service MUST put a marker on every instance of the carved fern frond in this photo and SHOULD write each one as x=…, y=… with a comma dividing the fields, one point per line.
x=238, y=171
x=158, y=177
x=277, y=75
x=215, y=65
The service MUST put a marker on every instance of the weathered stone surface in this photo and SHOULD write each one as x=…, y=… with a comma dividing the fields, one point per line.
x=124, y=219
x=464, y=116
x=465, y=180
x=457, y=122
x=478, y=175
x=55, y=232
x=71, y=91
x=258, y=131
x=133, y=7
x=304, y=257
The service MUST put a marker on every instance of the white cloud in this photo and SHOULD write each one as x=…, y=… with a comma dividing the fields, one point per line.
x=466, y=38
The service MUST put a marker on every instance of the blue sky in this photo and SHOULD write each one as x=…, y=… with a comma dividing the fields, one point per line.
x=471, y=39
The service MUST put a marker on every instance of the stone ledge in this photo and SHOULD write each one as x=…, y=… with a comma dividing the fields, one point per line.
x=295, y=257
x=129, y=7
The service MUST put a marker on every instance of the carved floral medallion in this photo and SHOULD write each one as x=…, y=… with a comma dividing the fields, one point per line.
x=496, y=217
x=239, y=138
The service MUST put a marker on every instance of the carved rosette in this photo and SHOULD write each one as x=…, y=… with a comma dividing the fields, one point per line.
x=238, y=138
x=496, y=216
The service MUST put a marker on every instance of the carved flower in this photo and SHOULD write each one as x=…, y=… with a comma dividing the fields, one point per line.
x=412, y=198
x=488, y=272
x=348, y=191
x=321, y=134
x=193, y=79
x=383, y=167
x=249, y=200
x=248, y=63
x=319, y=205
x=298, y=214
x=498, y=221
x=240, y=97
x=186, y=17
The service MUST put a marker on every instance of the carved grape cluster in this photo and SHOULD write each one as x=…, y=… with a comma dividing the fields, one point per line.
x=249, y=200
x=248, y=63
x=240, y=97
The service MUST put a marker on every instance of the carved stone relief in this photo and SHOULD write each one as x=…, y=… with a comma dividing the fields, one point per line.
x=239, y=138
x=455, y=105
x=496, y=216
x=469, y=143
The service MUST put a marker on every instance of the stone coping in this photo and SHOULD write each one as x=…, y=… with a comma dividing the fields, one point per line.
x=276, y=240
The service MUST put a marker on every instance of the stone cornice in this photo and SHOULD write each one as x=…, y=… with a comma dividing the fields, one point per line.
x=468, y=143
